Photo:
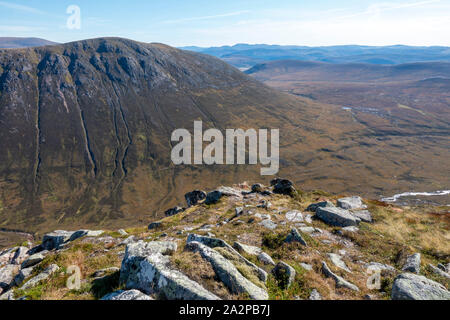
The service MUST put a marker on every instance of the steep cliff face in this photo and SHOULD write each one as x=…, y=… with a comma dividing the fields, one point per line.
x=85, y=127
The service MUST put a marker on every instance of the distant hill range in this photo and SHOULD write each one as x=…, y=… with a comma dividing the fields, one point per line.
x=245, y=56
x=17, y=42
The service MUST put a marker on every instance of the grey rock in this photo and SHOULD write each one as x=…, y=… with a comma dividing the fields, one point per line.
x=239, y=211
x=194, y=197
x=354, y=202
x=363, y=215
x=310, y=230
x=315, y=295
x=268, y=224
x=266, y=259
x=213, y=243
x=56, y=239
x=408, y=286
x=295, y=236
x=49, y=271
x=251, y=250
x=439, y=272
x=128, y=240
x=33, y=260
x=173, y=211
x=7, y=275
x=308, y=218
x=294, y=216
x=351, y=229
x=7, y=296
x=283, y=186
x=213, y=197
x=257, y=188
x=337, y=217
x=306, y=266
x=227, y=272
x=20, y=255
x=127, y=295
x=102, y=272
x=6, y=256
x=379, y=266
x=340, y=282
x=285, y=274
x=146, y=267
x=338, y=262
x=23, y=274
x=412, y=263
x=122, y=232
x=230, y=192
x=154, y=225
x=313, y=207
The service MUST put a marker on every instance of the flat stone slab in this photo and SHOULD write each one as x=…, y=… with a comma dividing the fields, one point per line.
x=348, y=203
x=337, y=217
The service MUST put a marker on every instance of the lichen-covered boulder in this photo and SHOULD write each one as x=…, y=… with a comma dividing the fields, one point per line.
x=55, y=239
x=227, y=272
x=146, y=267
x=213, y=197
x=7, y=275
x=285, y=274
x=412, y=263
x=313, y=207
x=408, y=286
x=283, y=186
x=47, y=273
x=295, y=236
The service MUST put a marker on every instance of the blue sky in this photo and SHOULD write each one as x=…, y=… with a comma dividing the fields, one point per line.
x=213, y=23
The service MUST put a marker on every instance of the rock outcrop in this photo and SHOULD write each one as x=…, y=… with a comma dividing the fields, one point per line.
x=408, y=286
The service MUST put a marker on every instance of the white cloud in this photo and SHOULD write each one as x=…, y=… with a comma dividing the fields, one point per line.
x=237, y=13
x=20, y=7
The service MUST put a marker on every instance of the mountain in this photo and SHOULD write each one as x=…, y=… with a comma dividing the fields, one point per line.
x=13, y=42
x=246, y=56
x=85, y=130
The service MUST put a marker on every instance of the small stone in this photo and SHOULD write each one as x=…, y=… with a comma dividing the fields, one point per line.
x=351, y=203
x=283, y=186
x=194, y=197
x=315, y=295
x=243, y=248
x=269, y=224
x=154, y=225
x=412, y=263
x=122, y=232
x=338, y=262
x=213, y=197
x=127, y=295
x=266, y=259
x=173, y=211
x=306, y=266
x=294, y=216
x=295, y=236
x=340, y=282
x=257, y=188
x=285, y=274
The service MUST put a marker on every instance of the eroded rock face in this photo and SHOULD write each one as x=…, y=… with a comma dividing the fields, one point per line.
x=337, y=217
x=127, y=295
x=408, y=286
x=146, y=267
x=227, y=272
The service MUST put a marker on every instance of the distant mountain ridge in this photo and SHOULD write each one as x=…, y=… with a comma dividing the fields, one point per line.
x=246, y=56
x=18, y=42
